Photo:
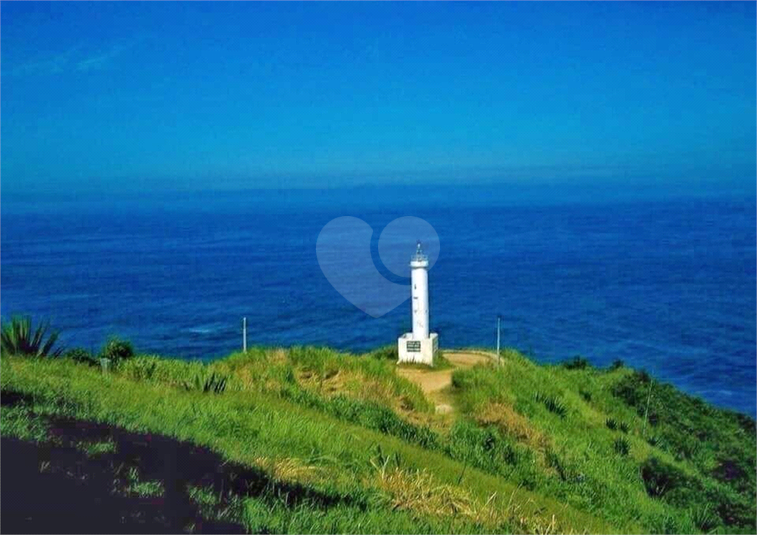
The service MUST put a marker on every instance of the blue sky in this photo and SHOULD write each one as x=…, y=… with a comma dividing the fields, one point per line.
x=110, y=96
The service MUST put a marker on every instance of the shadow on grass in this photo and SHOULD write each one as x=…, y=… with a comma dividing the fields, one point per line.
x=57, y=487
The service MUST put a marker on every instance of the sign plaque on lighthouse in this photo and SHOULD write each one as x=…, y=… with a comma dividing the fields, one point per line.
x=418, y=346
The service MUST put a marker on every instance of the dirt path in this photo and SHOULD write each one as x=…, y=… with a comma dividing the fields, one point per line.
x=433, y=383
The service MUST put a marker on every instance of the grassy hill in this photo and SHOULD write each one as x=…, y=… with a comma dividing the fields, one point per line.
x=312, y=440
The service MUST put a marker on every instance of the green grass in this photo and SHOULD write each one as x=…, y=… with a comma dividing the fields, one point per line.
x=142, y=489
x=96, y=448
x=597, y=431
x=246, y=426
x=531, y=448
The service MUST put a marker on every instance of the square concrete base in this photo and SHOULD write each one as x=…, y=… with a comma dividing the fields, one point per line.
x=421, y=351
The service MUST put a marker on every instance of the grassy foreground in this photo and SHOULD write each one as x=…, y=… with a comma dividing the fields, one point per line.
x=311, y=440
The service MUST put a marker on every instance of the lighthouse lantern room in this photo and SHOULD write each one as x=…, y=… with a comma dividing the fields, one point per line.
x=418, y=346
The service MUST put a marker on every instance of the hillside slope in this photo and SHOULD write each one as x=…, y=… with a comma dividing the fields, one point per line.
x=310, y=440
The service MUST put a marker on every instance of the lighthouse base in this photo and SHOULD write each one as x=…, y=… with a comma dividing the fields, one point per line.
x=418, y=350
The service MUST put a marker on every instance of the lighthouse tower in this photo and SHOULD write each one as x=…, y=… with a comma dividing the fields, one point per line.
x=420, y=345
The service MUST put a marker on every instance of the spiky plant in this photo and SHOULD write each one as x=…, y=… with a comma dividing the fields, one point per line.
x=213, y=383
x=622, y=446
x=552, y=403
x=19, y=337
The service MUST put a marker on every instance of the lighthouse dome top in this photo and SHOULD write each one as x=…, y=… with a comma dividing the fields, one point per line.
x=419, y=258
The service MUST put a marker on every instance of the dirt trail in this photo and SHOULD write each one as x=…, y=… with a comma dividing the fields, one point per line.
x=433, y=383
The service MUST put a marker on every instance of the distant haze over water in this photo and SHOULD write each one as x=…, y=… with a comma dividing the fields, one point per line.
x=666, y=283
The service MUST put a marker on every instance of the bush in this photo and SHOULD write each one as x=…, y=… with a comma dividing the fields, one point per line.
x=660, y=477
x=643, y=376
x=617, y=364
x=554, y=461
x=552, y=403
x=734, y=509
x=577, y=363
x=622, y=447
x=20, y=338
x=81, y=355
x=116, y=350
x=745, y=422
x=635, y=390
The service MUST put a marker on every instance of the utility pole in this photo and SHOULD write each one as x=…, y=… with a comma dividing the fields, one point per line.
x=499, y=360
x=244, y=335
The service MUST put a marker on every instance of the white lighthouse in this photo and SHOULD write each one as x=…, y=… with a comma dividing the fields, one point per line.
x=420, y=345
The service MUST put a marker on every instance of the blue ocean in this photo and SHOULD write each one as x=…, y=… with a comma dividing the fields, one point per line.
x=663, y=283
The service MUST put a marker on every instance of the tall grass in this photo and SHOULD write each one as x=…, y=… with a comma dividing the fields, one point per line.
x=571, y=438
x=247, y=426
x=605, y=474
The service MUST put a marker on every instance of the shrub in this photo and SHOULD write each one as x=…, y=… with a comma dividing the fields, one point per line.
x=643, y=376
x=653, y=417
x=631, y=393
x=552, y=403
x=116, y=350
x=617, y=364
x=622, y=447
x=732, y=508
x=215, y=384
x=554, y=461
x=81, y=355
x=611, y=424
x=20, y=338
x=636, y=391
x=730, y=471
x=577, y=363
x=745, y=422
x=660, y=477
